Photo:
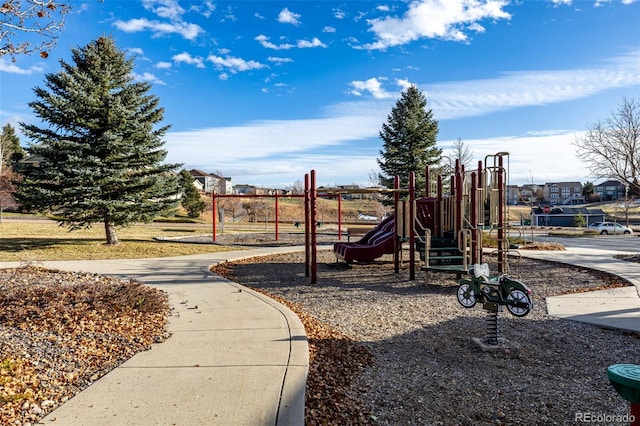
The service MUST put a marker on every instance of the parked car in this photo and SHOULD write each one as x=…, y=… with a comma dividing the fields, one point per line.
x=606, y=228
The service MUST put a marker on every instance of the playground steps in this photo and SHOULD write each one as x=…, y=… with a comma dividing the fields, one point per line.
x=458, y=269
x=444, y=256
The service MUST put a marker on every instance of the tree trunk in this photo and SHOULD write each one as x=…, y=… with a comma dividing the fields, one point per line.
x=110, y=232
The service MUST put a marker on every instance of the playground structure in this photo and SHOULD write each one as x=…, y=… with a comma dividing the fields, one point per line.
x=453, y=224
x=445, y=228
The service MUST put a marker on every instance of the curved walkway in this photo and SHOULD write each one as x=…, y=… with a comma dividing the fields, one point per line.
x=237, y=357
x=617, y=308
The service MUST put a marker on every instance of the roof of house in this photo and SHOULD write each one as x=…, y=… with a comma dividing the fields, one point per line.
x=32, y=159
x=569, y=211
x=610, y=182
x=200, y=173
x=563, y=184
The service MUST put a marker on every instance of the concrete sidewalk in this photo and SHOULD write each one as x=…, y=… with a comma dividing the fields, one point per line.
x=613, y=308
x=235, y=356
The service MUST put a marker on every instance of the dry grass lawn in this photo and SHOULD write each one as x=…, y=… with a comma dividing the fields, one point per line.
x=45, y=240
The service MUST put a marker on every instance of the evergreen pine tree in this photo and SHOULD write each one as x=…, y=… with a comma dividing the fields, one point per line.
x=409, y=140
x=100, y=158
x=191, y=199
x=10, y=150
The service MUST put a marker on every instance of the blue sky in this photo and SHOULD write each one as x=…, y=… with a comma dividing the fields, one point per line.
x=265, y=91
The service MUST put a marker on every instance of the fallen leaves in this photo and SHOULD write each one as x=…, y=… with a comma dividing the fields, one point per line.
x=60, y=331
x=542, y=246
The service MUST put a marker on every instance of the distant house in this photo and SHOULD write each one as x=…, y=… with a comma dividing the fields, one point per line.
x=530, y=193
x=244, y=189
x=210, y=182
x=198, y=184
x=564, y=216
x=277, y=191
x=32, y=160
x=563, y=193
x=610, y=190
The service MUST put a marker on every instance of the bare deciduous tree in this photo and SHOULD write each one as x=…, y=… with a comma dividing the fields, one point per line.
x=233, y=206
x=462, y=152
x=29, y=26
x=297, y=187
x=610, y=148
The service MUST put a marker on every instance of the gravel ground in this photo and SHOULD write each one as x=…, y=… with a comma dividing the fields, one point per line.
x=416, y=362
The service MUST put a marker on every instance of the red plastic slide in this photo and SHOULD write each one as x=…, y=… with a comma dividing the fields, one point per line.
x=371, y=246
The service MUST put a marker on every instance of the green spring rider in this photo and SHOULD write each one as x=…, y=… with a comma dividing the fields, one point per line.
x=494, y=292
x=499, y=290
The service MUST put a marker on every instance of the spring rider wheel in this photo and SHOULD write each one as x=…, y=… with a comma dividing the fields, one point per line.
x=466, y=295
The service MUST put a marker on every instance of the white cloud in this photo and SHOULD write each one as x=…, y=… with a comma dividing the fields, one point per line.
x=302, y=44
x=15, y=118
x=275, y=165
x=147, y=76
x=372, y=85
x=293, y=168
x=169, y=9
x=205, y=9
x=404, y=84
x=135, y=51
x=266, y=138
x=441, y=19
x=315, y=42
x=264, y=41
x=186, y=30
x=525, y=162
x=328, y=29
x=476, y=27
x=229, y=15
x=234, y=64
x=278, y=60
x=459, y=99
x=9, y=67
x=287, y=17
x=163, y=65
x=261, y=148
x=188, y=59
x=527, y=88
